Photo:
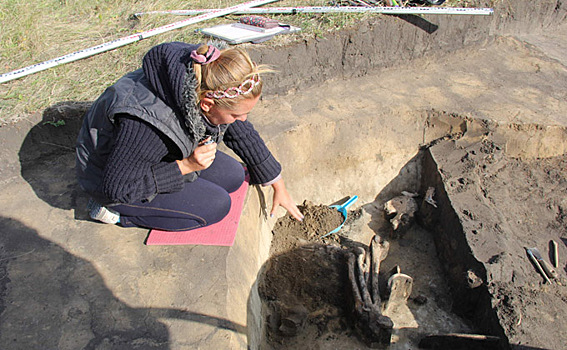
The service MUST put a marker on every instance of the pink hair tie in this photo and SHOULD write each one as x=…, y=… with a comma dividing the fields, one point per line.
x=212, y=54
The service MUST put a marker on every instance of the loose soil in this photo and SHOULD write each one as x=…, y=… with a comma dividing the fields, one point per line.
x=318, y=221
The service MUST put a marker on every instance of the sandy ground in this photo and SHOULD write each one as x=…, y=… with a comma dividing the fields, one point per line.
x=492, y=117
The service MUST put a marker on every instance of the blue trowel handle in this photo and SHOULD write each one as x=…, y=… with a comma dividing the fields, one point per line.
x=349, y=202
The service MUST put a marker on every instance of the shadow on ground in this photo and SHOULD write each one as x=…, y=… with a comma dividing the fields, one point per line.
x=47, y=157
x=52, y=299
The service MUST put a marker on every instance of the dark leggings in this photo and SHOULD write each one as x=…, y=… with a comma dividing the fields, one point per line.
x=200, y=203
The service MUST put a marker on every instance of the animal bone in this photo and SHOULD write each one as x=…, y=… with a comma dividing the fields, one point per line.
x=374, y=328
x=400, y=286
x=379, y=251
x=404, y=207
x=429, y=196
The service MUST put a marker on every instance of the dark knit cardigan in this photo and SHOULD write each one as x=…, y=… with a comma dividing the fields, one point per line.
x=142, y=164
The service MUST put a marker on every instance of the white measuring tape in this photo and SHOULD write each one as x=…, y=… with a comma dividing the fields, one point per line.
x=341, y=9
x=124, y=41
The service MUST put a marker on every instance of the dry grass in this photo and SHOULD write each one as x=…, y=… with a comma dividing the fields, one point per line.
x=35, y=31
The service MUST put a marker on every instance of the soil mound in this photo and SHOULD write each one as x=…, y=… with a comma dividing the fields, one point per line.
x=318, y=221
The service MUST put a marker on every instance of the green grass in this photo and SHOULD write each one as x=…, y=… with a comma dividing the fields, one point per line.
x=36, y=31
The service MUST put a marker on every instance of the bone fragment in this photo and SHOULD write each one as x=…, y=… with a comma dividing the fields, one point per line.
x=358, y=304
x=371, y=325
x=460, y=341
x=366, y=299
x=400, y=286
x=367, y=266
x=554, y=254
x=429, y=196
x=409, y=194
x=378, y=251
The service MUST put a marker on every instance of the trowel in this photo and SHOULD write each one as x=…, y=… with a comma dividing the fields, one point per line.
x=547, y=269
x=399, y=285
x=343, y=210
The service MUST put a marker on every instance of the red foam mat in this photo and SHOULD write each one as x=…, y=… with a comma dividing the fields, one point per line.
x=221, y=234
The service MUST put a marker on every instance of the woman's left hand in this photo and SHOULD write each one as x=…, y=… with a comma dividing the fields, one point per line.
x=282, y=197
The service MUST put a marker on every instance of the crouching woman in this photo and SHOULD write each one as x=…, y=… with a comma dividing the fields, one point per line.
x=147, y=150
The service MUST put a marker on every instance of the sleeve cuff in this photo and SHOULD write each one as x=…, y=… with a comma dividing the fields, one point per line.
x=265, y=172
x=167, y=177
x=276, y=179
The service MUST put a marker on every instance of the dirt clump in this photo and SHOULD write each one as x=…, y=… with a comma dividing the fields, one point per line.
x=318, y=221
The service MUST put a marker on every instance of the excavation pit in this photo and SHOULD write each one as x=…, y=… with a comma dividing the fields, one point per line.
x=499, y=187
x=475, y=110
x=465, y=251
x=307, y=297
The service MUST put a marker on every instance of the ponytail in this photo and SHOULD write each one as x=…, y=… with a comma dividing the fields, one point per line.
x=197, y=69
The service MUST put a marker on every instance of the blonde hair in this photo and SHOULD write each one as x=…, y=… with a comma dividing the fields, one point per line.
x=230, y=69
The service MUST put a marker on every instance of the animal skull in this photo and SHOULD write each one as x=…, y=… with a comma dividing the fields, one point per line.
x=404, y=207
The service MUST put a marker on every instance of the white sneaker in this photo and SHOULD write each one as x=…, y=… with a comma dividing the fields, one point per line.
x=102, y=214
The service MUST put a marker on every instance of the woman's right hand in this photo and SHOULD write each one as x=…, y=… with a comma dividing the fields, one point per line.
x=201, y=158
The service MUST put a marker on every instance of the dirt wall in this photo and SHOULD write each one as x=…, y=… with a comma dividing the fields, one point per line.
x=465, y=274
x=389, y=41
x=493, y=204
